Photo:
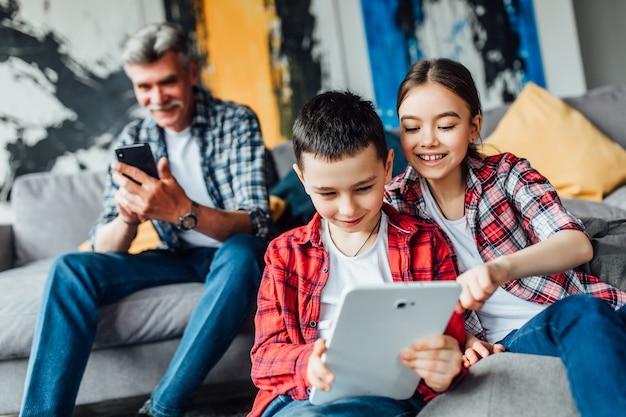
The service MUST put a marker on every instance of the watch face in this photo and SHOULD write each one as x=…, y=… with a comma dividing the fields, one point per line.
x=189, y=222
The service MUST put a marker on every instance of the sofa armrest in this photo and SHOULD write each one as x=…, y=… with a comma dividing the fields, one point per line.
x=501, y=384
x=6, y=247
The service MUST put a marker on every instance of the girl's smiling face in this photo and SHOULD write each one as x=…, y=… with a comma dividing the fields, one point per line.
x=436, y=131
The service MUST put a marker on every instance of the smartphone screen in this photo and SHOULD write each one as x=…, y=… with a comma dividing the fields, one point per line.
x=140, y=156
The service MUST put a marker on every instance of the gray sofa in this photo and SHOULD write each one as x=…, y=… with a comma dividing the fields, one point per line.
x=138, y=335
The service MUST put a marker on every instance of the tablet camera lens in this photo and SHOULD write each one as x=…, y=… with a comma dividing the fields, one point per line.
x=400, y=304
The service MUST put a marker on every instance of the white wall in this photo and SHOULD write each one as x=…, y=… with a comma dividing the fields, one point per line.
x=602, y=40
x=560, y=49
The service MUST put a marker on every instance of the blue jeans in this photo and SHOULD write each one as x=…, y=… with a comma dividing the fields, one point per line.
x=285, y=406
x=78, y=283
x=590, y=338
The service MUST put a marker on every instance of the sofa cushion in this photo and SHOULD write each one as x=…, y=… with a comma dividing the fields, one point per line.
x=284, y=158
x=602, y=106
x=508, y=385
x=606, y=226
x=602, y=221
x=585, y=208
x=149, y=315
x=578, y=159
x=20, y=298
x=617, y=198
x=605, y=108
x=146, y=238
x=53, y=213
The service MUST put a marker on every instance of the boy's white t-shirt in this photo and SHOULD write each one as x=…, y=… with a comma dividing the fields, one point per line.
x=371, y=266
x=186, y=166
x=502, y=312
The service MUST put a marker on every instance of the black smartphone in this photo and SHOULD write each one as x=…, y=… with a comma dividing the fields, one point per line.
x=140, y=156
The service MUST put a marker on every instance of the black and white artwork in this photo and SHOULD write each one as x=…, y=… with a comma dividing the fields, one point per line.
x=63, y=93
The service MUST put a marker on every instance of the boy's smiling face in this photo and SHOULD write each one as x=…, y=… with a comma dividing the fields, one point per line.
x=348, y=193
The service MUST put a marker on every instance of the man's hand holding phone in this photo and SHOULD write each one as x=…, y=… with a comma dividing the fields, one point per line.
x=133, y=174
x=133, y=193
x=142, y=196
x=139, y=156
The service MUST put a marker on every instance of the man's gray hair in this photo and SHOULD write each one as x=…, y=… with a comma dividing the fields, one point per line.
x=149, y=44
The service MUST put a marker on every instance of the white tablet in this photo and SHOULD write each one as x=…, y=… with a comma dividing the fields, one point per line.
x=375, y=323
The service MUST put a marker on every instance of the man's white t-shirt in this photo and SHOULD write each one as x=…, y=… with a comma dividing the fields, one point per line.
x=186, y=166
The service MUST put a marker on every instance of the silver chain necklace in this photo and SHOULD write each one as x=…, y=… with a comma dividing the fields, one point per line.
x=368, y=236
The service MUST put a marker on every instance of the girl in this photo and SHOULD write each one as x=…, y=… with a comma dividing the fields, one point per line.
x=516, y=247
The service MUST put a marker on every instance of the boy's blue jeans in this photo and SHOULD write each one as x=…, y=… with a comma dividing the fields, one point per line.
x=590, y=338
x=78, y=283
x=285, y=406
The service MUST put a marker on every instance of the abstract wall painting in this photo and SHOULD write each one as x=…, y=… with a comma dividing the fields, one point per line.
x=64, y=96
x=63, y=93
x=496, y=40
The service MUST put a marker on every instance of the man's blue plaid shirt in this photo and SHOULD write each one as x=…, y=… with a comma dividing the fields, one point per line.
x=233, y=162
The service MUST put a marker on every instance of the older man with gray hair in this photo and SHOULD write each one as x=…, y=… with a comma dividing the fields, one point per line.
x=209, y=207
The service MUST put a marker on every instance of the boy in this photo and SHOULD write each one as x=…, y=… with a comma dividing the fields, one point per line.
x=343, y=163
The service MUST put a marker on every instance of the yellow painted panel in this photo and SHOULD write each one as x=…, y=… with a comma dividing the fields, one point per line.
x=235, y=36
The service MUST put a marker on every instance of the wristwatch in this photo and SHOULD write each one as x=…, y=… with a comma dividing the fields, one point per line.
x=189, y=220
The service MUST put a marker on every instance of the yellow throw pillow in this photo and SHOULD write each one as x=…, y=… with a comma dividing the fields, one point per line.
x=560, y=143
x=146, y=239
x=277, y=207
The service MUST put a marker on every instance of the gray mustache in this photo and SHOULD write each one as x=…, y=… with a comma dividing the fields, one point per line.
x=164, y=106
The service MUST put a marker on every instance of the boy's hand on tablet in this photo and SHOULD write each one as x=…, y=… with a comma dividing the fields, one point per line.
x=318, y=374
x=436, y=359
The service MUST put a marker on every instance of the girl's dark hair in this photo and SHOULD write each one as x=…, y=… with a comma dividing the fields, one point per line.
x=450, y=74
x=337, y=124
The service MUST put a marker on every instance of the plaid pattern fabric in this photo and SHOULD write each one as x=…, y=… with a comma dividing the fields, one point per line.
x=233, y=164
x=509, y=206
x=290, y=292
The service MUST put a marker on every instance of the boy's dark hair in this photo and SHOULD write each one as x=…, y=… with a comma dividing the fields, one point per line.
x=450, y=74
x=337, y=124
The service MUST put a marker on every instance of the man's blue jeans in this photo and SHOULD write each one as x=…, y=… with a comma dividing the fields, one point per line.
x=590, y=338
x=285, y=406
x=78, y=283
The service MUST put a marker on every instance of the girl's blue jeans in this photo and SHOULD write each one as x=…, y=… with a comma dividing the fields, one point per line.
x=78, y=283
x=590, y=338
